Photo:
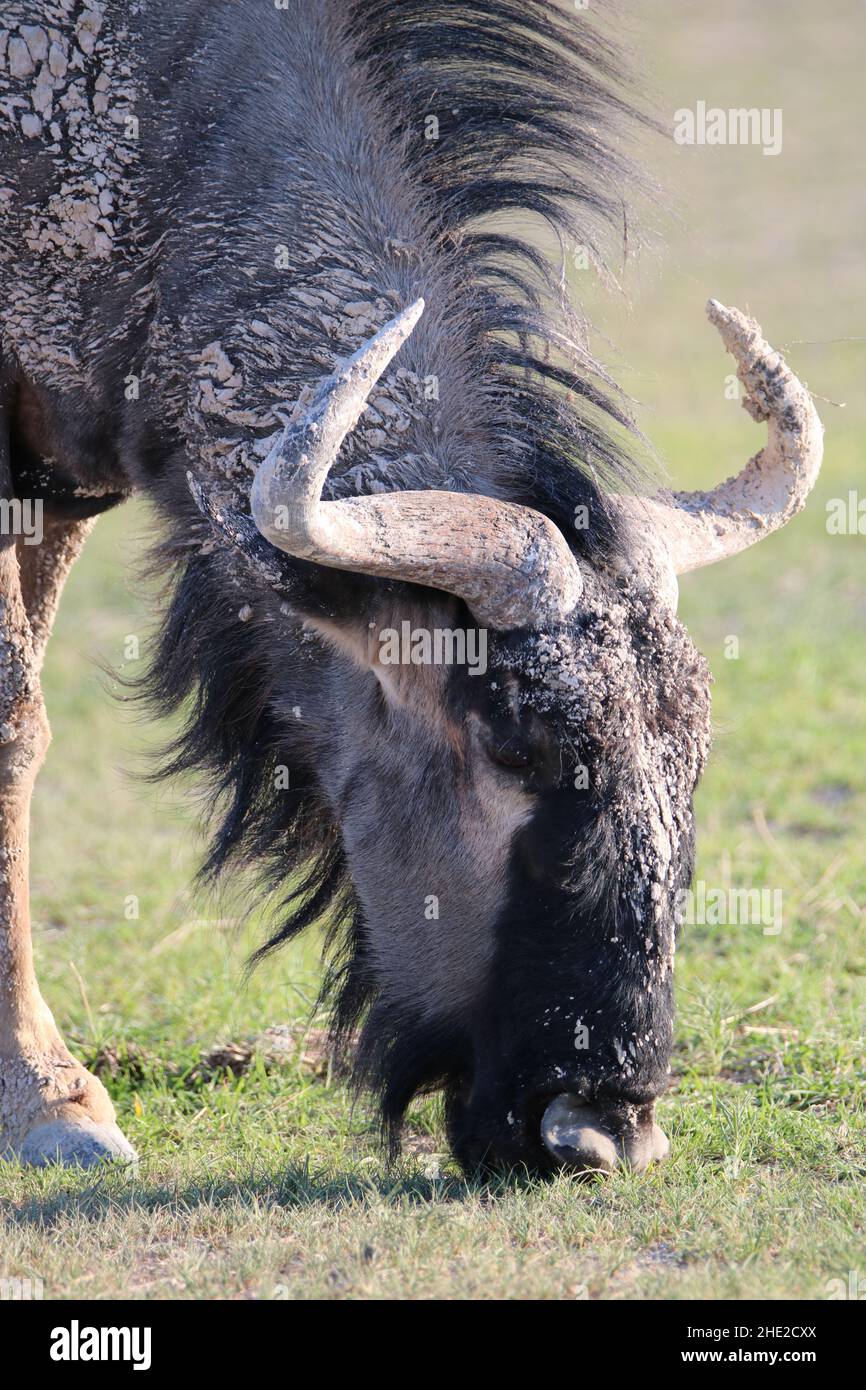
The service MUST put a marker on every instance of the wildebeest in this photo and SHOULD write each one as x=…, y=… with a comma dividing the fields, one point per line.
x=268, y=266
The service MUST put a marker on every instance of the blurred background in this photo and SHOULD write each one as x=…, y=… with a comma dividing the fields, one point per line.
x=783, y=805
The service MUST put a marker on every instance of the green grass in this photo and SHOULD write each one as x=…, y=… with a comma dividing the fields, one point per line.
x=267, y=1184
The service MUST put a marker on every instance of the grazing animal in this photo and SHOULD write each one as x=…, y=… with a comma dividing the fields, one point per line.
x=258, y=264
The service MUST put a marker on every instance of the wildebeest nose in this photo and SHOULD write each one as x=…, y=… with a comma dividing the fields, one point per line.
x=579, y=1136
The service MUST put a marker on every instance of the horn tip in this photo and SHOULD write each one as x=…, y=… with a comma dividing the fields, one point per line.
x=739, y=332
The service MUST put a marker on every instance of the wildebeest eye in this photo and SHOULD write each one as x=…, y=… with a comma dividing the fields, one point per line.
x=511, y=752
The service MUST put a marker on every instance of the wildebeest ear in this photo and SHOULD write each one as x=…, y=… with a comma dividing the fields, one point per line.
x=242, y=535
x=343, y=608
x=332, y=602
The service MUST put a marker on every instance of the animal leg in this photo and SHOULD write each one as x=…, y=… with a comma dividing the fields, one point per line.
x=51, y=1108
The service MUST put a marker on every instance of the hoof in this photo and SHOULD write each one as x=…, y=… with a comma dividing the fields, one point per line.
x=84, y=1144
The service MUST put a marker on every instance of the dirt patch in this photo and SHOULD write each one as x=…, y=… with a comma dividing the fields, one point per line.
x=279, y=1046
x=661, y=1258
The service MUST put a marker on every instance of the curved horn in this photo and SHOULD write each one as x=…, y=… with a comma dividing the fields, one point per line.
x=698, y=528
x=510, y=564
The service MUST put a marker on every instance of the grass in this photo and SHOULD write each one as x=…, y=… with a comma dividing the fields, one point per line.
x=257, y=1178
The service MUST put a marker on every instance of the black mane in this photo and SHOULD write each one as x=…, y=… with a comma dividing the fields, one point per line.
x=531, y=105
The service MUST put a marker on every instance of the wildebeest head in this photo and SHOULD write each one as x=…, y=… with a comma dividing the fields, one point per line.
x=518, y=823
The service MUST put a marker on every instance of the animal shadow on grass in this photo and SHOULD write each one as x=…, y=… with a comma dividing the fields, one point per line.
x=110, y=1194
